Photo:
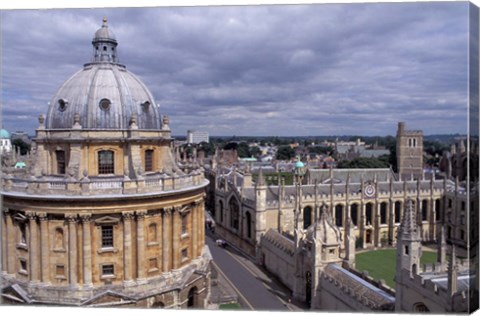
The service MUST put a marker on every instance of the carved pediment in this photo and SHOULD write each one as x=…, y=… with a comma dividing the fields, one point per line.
x=108, y=298
x=107, y=220
x=15, y=293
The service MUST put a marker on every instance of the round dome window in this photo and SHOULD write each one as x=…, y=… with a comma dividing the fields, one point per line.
x=105, y=104
x=62, y=105
x=145, y=106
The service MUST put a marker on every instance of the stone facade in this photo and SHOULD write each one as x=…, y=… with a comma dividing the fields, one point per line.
x=105, y=215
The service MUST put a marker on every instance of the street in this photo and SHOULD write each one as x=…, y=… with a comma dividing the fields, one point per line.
x=255, y=289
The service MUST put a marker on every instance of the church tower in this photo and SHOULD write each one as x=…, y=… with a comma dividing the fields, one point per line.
x=409, y=152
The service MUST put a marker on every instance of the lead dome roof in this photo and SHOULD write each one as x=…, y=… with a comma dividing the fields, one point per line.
x=104, y=93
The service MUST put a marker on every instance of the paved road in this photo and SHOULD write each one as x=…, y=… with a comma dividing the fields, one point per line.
x=256, y=290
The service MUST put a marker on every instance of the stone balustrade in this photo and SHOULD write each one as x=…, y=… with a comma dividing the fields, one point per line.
x=100, y=185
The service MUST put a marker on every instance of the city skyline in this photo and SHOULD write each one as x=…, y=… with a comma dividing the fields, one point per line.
x=282, y=70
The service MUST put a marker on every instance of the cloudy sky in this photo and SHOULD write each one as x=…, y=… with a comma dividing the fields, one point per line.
x=321, y=69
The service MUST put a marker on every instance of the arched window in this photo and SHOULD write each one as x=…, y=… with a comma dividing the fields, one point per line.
x=59, y=241
x=354, y=214
x=221, y=211
x=148, y=160
x=398, y=206
x=60, y=155
x=23, y=233
x=383, y=213
x=234, y=213
x=424, y=210
x=307, y=217
x=338, y=215
x=106, y=162
x=368, y=213
x=191, y=297
x=152, y=233
x=437, y=209
x=248, y=219
x=420, y=308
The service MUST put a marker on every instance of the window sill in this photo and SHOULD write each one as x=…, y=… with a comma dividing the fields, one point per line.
x=59, y=250
x=60, y=277
x=184, y=236
x=107, y=250
x=108, y=277
x=185, y=259
x=153, y=243
x=22, y=246
x=152, y=270
x=23, y=272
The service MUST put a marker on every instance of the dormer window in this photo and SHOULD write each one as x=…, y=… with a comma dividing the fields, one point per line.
x=62, y=105
x=105, y=104
x=145, y=106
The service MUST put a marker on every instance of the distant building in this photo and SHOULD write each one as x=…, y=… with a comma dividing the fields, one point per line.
x=197, y=137
x=5, y=142
x=409, y=152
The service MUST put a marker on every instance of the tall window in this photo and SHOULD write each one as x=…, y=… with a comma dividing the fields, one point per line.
x=354, y=213
x=368, y=213
x=184, y=224
x=105, y=162
x=338, y=215
x=398, y=206
x=107, y=236
x=149, y=160
x=383, y=213
x=23, y=233
x=424, y=210
x=152, y=233
x=60, y=154
x=307, y=217
x=248, y=218
x=235, y=213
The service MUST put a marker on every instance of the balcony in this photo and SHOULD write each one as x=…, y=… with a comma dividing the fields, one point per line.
x=46, y=186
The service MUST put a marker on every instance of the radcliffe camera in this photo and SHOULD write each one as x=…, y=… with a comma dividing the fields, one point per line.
x=304, y=157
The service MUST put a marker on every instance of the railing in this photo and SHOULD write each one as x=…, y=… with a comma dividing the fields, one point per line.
x=94, y=186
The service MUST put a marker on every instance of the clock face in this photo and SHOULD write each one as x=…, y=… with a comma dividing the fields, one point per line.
x=370, y=191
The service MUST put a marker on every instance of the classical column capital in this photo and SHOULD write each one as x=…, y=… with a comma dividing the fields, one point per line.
x=30, y=215
x=167, y=211
x=86, y=217
x=197, y=202
x=42, y=216
x=128, y=215
x=140, y=214
x=71, y=218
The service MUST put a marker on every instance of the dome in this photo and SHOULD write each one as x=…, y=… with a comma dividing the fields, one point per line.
x=299, y=164
x=4, y=134
x=104, y=33
x=104, y=94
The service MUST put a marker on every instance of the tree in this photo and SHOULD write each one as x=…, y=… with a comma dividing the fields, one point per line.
x=285, y=153
x=24, y=147
x=364, y=163
x=207, y=148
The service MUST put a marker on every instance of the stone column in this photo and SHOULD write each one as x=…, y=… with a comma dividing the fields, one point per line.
x=44, y=242
x=141, y=245
x=176, y=238
x=72, y=249
x=87, y=250
x=194, y=229
x=127, y=247
x=33, y=247
x=10, y=243
x=166, y=239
